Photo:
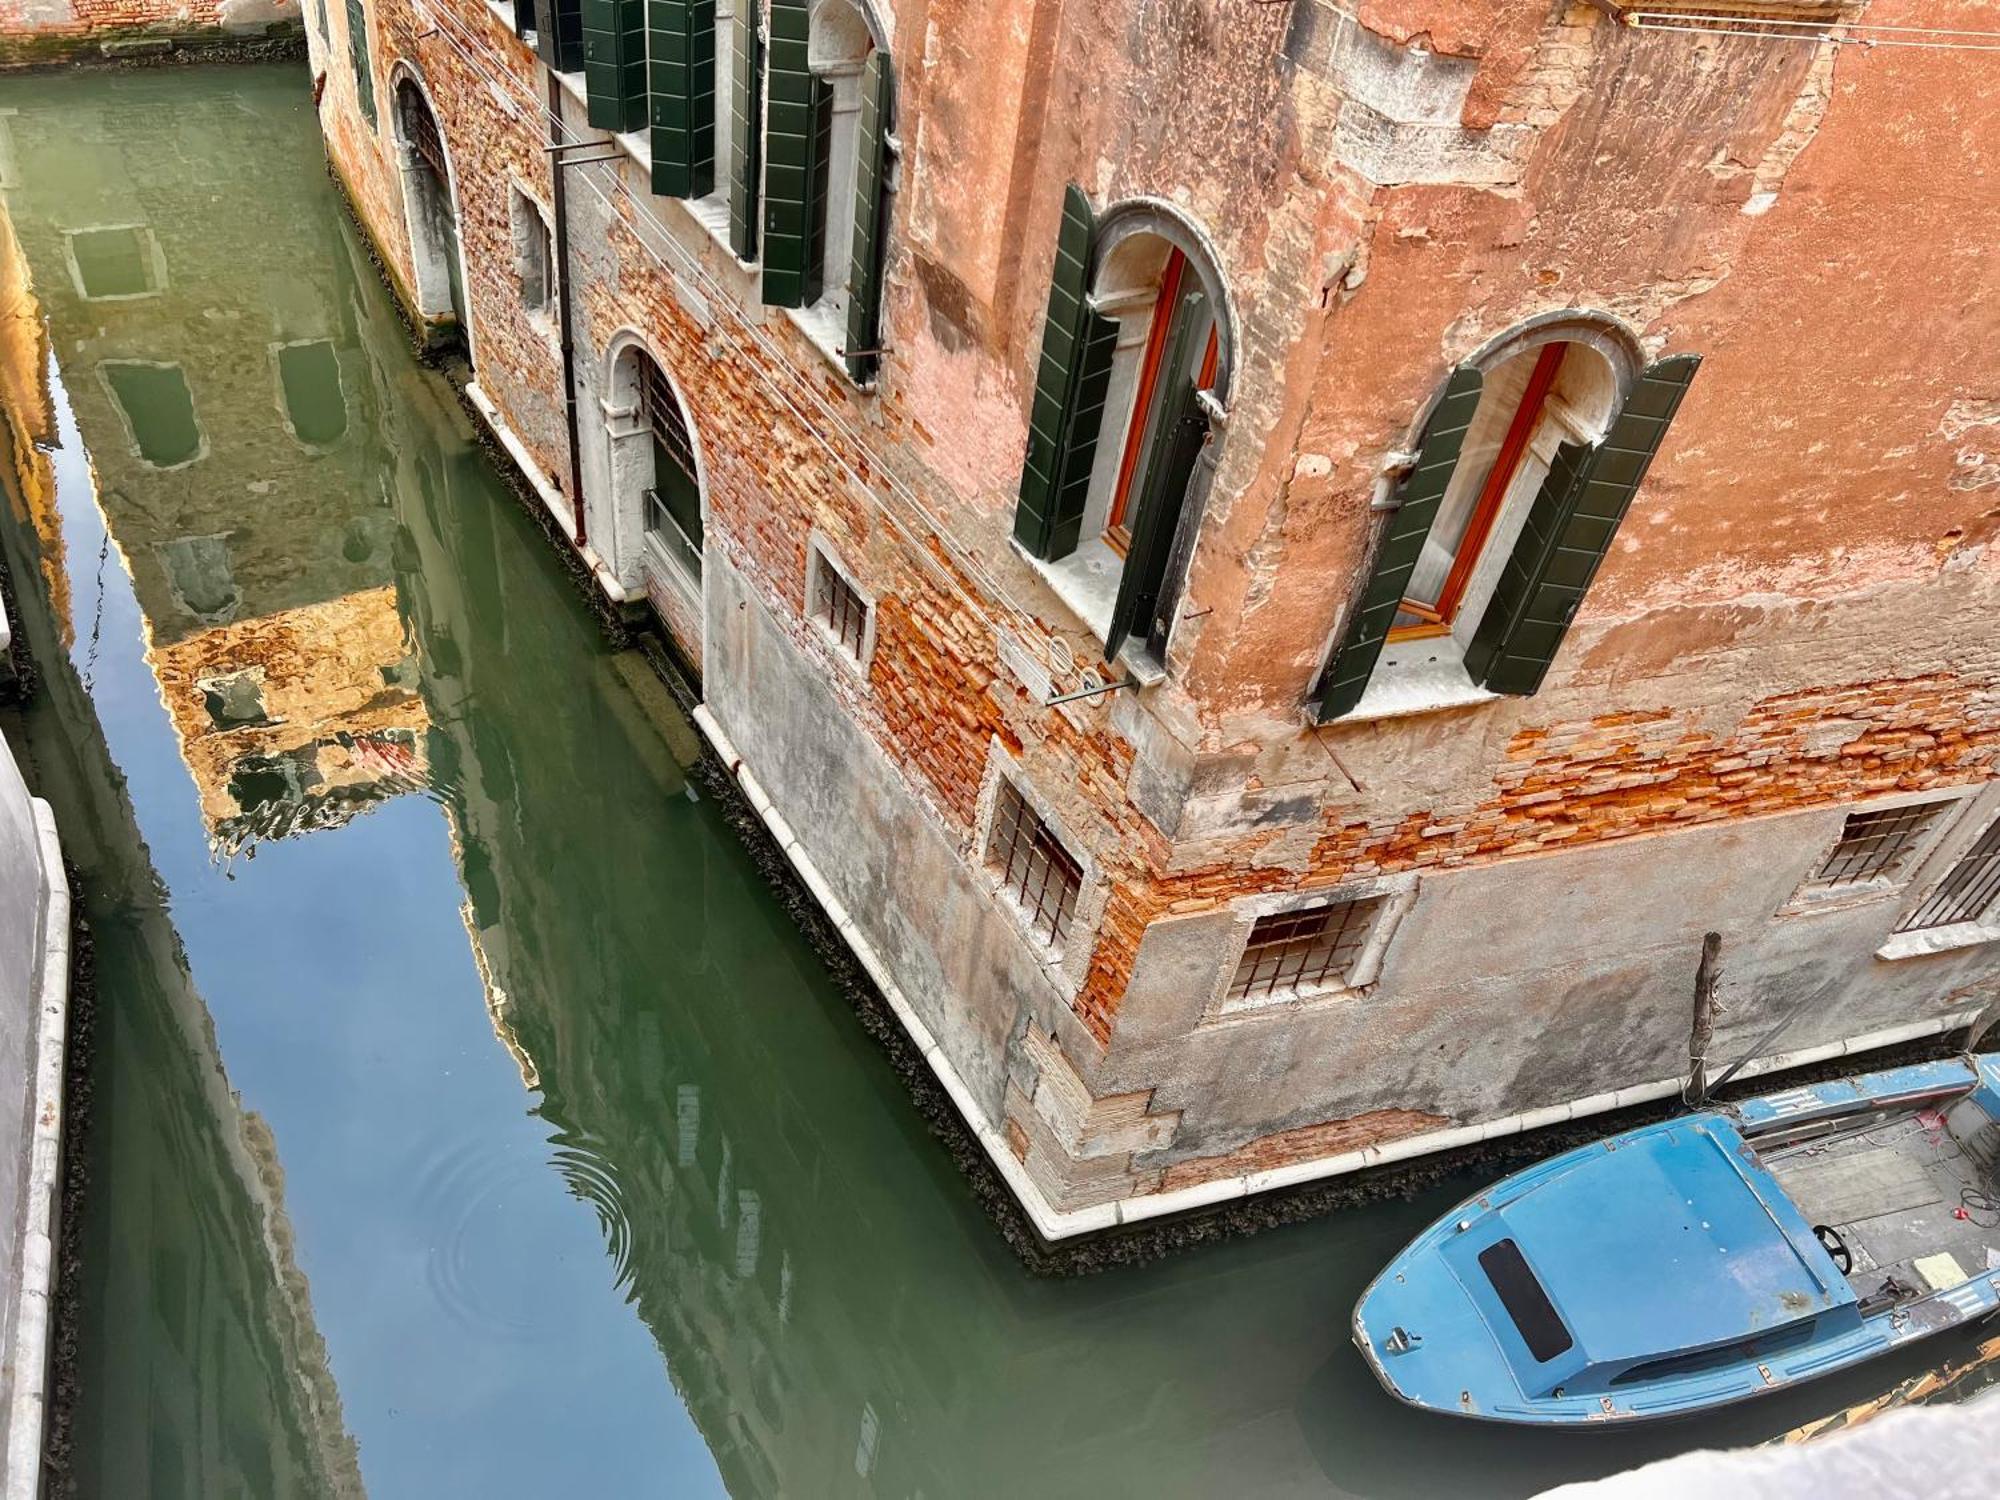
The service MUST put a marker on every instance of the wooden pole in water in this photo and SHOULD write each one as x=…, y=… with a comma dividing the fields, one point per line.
x=1706, y=974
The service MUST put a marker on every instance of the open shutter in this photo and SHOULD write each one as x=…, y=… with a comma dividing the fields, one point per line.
x=614, y=63
x=1070, y=383
x=797, y=134
x=524, y=17
x=746, y=116
x=1568, y=531
x=871, y=215
x=680, y=45
x=559, y=33
x=1403, y=532
x=357, y=51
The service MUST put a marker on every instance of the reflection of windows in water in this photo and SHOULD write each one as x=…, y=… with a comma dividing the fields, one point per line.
x=116, y=262
x=235, y=700
x=158, y=409
x=309, y=380
x=198, y=572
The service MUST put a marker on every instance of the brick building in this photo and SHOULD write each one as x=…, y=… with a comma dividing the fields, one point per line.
x=1274, y=567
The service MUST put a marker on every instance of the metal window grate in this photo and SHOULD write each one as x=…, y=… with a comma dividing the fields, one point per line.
x=1038, y=872
x=1965, y=894
x=420, y=128
x=661, y=412
x=1875, y=845
x=838, y=605
x=1298, y=950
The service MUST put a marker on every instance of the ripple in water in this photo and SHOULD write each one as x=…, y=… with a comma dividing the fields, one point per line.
x=498, y=1233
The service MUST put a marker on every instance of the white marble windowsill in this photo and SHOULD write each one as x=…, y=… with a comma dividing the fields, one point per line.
x=825, y=326
x=1939, y=939
x=1087, y=582
x=1403, y=691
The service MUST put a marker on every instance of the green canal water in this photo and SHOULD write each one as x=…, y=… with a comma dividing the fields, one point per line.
x=465, y=1116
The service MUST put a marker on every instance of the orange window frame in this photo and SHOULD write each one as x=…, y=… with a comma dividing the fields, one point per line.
x=1117, y=528
x=1437, y=619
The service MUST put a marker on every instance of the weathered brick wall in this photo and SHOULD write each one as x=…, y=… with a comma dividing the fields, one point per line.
x=1794, y=615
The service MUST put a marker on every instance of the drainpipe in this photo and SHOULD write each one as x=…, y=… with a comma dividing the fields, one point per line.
x=559, y=205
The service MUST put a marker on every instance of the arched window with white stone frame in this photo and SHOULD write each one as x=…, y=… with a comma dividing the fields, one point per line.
x=655, y=471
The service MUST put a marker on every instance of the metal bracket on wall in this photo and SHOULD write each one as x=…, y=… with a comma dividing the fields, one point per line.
x=1091, y=692
x=587, y=161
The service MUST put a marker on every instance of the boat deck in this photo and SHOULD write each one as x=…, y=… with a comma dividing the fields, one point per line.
x=1893, y=1194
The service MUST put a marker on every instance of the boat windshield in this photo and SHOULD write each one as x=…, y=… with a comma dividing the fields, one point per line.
x=1535, y=1317
x=1704, y=1360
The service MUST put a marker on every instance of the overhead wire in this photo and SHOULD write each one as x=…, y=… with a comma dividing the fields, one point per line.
x=774, y=357
x=1781, y=29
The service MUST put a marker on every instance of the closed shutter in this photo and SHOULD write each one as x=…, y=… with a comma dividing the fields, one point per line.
x=357, y=51
x=680, y=45
x=797, y=134
x=559, y=33
x=1070, y=383
x=746, y=118
x=871, y=217
x=614, y=63
x=1403, y=533
x=1568, y=531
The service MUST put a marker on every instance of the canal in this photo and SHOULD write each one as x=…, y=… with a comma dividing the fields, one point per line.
x=465, y=1116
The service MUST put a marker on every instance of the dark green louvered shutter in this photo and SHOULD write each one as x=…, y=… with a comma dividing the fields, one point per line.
x=357, y=51
x=798, y=132
x=1070, y=382
x=871, y=217
x=680, y=46
x=746, y=110
x=1403, y=534
x=1568, y=531
x=614, y=63
x=559, y=33
x=1172, y=449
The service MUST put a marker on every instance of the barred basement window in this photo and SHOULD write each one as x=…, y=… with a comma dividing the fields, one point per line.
x=1294, y=952
x=1042, y=877
x=1967, y=893
x=838, y=606
x=1875, y=846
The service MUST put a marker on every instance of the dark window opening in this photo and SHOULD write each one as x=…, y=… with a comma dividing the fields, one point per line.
x=1041, y=875
x=159, y=409
x=113, y=262
x=1967, y=892
x=673, y=504
x=838, y=605
x=309, y=375
x=1535, y=1317
x=1303, y=950
x=1875, y=845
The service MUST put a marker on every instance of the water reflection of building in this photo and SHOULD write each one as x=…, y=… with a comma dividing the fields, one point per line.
x=230, y=442
x=195, y=1276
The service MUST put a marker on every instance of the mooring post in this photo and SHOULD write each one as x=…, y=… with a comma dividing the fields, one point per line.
x=1706, y=973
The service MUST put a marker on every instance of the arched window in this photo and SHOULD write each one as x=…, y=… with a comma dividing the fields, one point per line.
x=827, y=157
x=431, y=212
x=1134, y=370
x=654, y=468
x=1529, y=457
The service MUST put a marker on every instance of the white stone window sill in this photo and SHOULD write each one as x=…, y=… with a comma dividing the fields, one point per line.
x=1808, y=903
x=1408, y=690
x=1284, y=1003
x=825, y=328
x=1939, y=939
x=1087, y=581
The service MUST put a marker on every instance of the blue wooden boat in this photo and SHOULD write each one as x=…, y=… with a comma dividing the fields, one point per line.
x=1707, y=1259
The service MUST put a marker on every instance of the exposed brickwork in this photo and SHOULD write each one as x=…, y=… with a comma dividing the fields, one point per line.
x=1307, y=1142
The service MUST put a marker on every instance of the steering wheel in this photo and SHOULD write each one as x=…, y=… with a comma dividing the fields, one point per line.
x=1835, y=1247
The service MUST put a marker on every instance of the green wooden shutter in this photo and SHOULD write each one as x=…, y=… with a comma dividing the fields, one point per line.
x=680, y=45
x=1403, y=533
x=614, y=63
x=1174, y=445
x=746, y=110
x=357, y=51
x=871, y=216
x=797, y=133
x=559, y=33
x=524, y=17
x=1070, y=382
x=1568, y=531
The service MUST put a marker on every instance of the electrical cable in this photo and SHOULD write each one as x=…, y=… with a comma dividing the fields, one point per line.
x=1779, y=29
x=691, y=267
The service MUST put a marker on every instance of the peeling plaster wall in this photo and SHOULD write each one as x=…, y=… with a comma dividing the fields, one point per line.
x=1794, y=620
